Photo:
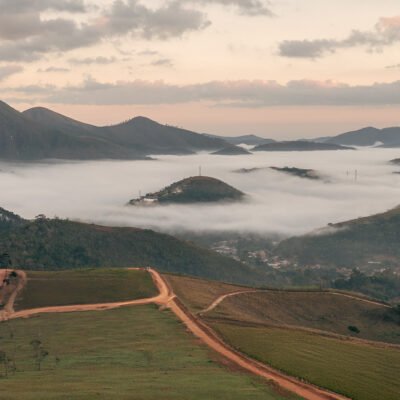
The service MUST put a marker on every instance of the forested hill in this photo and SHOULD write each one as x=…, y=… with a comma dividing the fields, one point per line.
x=51, y=244
x=350, y=244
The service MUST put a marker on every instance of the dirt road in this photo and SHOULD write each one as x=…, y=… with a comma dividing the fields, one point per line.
x=167, y=298
x=11, y=284
x=221, y=298
x=162, y=299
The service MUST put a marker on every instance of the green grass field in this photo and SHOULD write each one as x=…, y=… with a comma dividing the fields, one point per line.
x=84, y=287
x=359, y=371
x=130, y=353
x=316, y=310
x=198, y=294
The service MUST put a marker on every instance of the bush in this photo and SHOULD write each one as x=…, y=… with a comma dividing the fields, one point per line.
x=353, y=329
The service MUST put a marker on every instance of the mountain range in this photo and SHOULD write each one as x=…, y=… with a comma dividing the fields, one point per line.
x=39, y=133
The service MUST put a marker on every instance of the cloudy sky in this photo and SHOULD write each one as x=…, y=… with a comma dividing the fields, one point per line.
x=278, y=68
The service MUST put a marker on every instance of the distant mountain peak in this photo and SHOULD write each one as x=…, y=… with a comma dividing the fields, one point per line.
x=369, y=136
x=138, y=120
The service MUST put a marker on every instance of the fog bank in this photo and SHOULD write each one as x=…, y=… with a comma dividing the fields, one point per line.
x=98, y=191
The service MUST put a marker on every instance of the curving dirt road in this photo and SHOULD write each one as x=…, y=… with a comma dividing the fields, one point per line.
x=376, y=303
x=221, y=298
x=162, y=298
x=167, y=298
x=11, y=284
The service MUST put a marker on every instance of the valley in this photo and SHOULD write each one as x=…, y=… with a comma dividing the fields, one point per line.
x=199, y=200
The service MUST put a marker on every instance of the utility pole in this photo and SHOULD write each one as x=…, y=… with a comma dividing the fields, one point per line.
x=356, y=175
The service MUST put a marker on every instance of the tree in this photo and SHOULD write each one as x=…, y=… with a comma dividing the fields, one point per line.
x=353, y=329
x=5, y=260
x=40, y=353
x=11, y=364
x=4, y=360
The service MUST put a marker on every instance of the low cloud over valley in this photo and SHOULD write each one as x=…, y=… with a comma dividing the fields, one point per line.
x=98, y=191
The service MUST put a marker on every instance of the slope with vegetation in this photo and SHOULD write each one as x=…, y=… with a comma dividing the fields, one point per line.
x=131, y=139
x=24, y=139
x=251, y=140
x=84, y=286
x=40, y=133
x=351, y=244
x=359, y=371
x=322, y=311
x=113, y=354
x=53, y=244
x=370, y=136
x=231, y=151
x=313, y=335
x=196, y=189
x=294, y=171
x=150, y=137
x=299, y=145
x=197, y=293
x=299, y=172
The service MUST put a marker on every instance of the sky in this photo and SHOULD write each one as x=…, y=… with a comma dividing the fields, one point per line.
x=278, y=68
x=98, y=191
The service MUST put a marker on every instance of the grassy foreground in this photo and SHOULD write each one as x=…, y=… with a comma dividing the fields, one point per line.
x=85, y=286
x=359, y=371
x=197, y=294
x=136, y=353
x=316, y=310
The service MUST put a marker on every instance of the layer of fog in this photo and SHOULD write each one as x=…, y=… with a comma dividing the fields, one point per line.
x=98, y=191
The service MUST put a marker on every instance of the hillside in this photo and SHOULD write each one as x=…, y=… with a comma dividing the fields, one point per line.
x=84, y=286
x=322, y=311
x=24, y=139
x=299, y=145
x=299, y=172
x=126, y=353
x=301, y=332
x=46, y=244
x=9, y=220
x=351, y=244
x=370, y=136
x=39, y=133
x=251, y=140
x=139, y=135
x=52, y=119
x=151, y=137
x=196, y=189
x=197, y=294
x=359, y=371
x=231, y=151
